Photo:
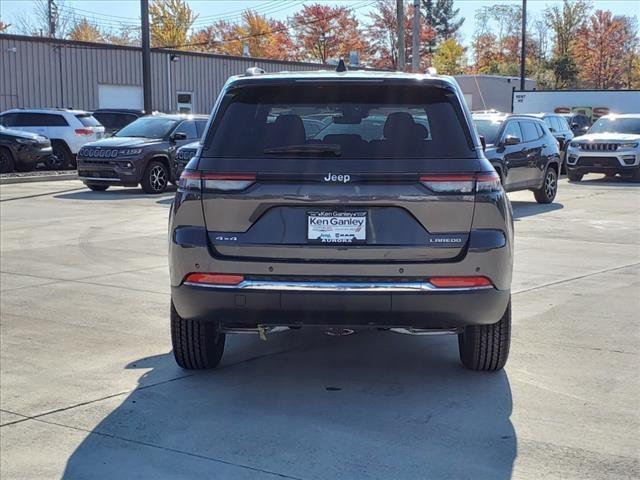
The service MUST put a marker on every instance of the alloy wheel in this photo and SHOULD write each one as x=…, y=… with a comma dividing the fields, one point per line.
x=550, y=184
x=158, y=178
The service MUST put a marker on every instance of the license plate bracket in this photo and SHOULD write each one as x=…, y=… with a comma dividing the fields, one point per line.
x=337, y=227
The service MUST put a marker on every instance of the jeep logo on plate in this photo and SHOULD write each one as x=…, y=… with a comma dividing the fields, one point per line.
x=337, y=178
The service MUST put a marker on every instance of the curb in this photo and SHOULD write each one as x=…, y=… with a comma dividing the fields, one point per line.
x=38, y=178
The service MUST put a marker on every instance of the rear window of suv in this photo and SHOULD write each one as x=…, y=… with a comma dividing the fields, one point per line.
x=88, y=120
x=339, y=120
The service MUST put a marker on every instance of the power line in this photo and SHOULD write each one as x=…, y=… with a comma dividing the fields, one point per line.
x=271, y=32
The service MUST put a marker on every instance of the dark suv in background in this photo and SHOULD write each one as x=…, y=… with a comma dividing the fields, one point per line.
x=114, y=119
x=140, y=153
x=383, y=214
x=182, y=157
x=22, y=151
x=523, y=151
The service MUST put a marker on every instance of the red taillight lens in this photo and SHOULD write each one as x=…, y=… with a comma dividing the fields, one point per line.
x=85, y=132
x=213, y=278
x=227, y=181
x=488, y=182
x=190, y=181
x=462, y=183
x=460, y=282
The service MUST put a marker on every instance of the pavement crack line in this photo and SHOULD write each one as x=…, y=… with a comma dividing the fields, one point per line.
x=172, y=450
x=572, y=279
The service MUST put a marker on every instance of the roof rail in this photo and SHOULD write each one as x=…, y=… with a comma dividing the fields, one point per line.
x=251, y=71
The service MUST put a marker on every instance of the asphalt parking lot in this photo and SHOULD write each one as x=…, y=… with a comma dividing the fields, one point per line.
x=89, y=388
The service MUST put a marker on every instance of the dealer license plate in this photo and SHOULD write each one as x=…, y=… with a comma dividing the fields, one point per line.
x=337, y=227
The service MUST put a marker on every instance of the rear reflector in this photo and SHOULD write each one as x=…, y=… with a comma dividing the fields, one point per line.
x=213, y=278
x=462, y=183
x=226, y=182
x=460, y=282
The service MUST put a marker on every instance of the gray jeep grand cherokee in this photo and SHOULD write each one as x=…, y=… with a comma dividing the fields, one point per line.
x=351, y=199
x=140, y=153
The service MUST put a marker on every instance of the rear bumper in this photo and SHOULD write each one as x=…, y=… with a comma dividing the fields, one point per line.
x=418, y=309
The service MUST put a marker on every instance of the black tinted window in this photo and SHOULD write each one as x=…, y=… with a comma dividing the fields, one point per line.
x=353, y=121
x=38, y=120
x=8, y=120
x=512, y=129
x=189, y=128
x=201, y=125
x=87, y=120
x=529, y=131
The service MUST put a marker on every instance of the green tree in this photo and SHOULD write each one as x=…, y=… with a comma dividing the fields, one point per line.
x=443, y=19
x=565, y=71
x=565, y=23
x=170, y=22
x=449, y=59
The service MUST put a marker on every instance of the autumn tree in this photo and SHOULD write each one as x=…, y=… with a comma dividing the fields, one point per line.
x=600, y=51
x=381, y=37
x=170, y=22
x=125, y=35
x=443, y=19
x=565, y=22
x=4, y=26
x=84, y=31
x=324, y=32
x=263, y=37
x=450, y=59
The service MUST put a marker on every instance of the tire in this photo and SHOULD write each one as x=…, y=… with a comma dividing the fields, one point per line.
x=196, y=345
x=98, y=188
x=63, y=158
x=7, y=165
x=547, y=193
x=573, y=176
x=155, y=178
x=486, y=347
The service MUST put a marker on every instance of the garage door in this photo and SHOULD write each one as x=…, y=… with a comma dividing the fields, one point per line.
x=120, y=96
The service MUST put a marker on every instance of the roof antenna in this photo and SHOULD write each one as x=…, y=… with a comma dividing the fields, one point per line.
x=341, y=66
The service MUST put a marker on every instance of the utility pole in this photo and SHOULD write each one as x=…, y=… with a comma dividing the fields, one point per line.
x=146, y=56
x=415, y=49
x=401, y=52
x=523, y=53
x=52, y=14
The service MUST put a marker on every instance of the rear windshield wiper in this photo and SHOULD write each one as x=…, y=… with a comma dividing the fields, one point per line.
x=322, y=150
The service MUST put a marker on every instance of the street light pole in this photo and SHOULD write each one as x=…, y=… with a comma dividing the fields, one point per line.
x=400, y=16
x=146, y=56
x=523, y=53
x=415, y=49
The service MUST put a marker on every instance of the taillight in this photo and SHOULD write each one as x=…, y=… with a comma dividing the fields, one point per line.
x=449, y=183
x=488, y=182
x=227, y=182
x=85, y=132
x=462, y=183
x=460, y=282
x=213, y=279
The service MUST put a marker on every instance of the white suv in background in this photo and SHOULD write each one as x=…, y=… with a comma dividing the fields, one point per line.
x=67, y=129
x=611, y=146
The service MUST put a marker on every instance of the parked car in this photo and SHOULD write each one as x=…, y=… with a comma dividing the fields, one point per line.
x=67, y=129
x=182, y=156
x=378, y=224
x=114, y=119
x=611, y=146
x=139, y=154
x=560, y=130
x=523, y=151
x=579, y=122
x=22, y=151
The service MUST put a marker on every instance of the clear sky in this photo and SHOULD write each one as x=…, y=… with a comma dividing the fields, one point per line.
x=109, y=13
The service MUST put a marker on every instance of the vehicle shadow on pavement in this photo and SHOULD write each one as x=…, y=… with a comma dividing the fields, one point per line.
x=607, y=181
x=309, y=406
x=528, y=209
x=115, y=194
